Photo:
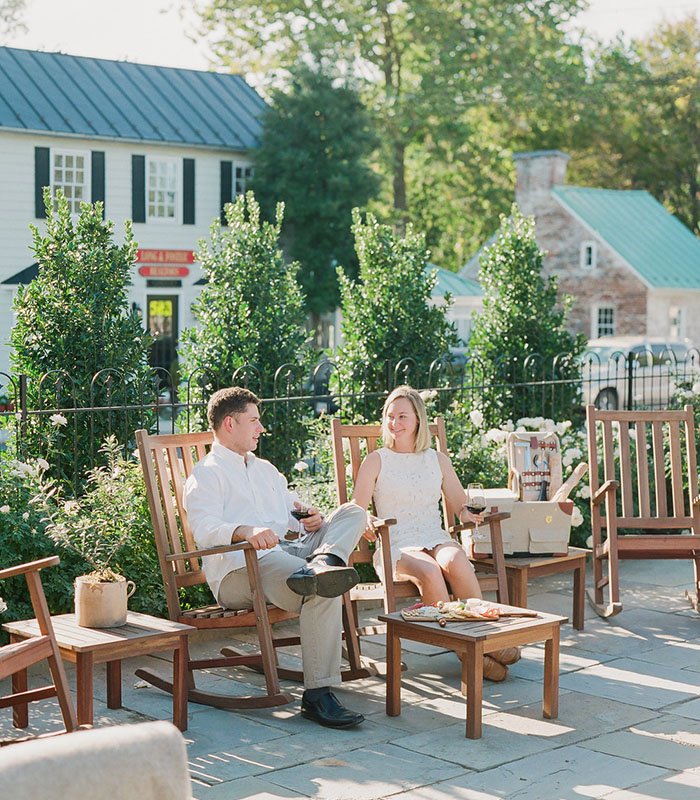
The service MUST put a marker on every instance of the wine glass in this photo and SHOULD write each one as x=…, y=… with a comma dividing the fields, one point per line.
x=476, y=498
x=305, y=495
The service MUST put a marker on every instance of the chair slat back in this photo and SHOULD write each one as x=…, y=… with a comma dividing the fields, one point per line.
x=167, y=461
x=360, y=440
x=644, y=451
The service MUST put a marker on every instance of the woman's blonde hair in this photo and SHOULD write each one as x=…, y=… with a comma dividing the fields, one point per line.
x=422, y=440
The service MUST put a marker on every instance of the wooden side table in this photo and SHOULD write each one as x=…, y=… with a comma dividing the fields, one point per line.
x=472, y=639
x=85, y=647
x=520, y=570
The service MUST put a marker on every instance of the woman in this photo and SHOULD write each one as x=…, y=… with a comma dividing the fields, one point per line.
x=405, y=478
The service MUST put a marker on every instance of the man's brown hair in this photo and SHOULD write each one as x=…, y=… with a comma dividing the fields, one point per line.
x=226, y=402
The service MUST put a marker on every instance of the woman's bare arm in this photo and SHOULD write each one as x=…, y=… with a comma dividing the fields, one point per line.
x=455, y=494
x=364, y=486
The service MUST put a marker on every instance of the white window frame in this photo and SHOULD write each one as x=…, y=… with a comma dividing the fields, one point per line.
x=585, y=246
x=176, y=219
x=676, y=322
x=87, y=177
x=241, y=181
x=596, y=323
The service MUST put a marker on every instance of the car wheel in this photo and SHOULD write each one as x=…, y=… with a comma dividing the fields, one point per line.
x=606, y=400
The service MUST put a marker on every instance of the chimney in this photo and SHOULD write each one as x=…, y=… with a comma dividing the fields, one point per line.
x=536, y=173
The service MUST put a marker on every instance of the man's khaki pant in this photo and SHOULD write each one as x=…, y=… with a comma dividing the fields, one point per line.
x=320, y=622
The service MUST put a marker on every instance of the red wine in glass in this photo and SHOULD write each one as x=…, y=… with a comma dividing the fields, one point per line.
x=300, y=514
x=476, y=499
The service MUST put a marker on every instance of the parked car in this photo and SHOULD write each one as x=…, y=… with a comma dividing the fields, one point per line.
x=634, y=371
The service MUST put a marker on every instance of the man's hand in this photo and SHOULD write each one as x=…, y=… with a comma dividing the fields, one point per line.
x=371, y=532
x=315, y=519
x=261, y=538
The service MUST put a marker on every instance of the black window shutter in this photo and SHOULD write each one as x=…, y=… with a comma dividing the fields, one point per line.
x=188, y=191
x=226, y=187
x=138, y=188
x=98, y=179
x=41, y=178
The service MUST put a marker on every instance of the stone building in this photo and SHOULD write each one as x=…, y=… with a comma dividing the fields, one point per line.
x=632, y=267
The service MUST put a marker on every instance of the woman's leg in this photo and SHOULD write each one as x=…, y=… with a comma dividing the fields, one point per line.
x=457, y=569
x=423, y=570
x=460, y=574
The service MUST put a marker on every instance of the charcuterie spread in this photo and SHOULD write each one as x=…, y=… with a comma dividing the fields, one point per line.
x=473, y=608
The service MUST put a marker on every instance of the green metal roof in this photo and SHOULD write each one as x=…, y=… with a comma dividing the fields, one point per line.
x=453, y=283
x=652, y=241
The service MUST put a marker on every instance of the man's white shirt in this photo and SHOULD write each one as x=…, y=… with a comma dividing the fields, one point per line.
x=226, y=490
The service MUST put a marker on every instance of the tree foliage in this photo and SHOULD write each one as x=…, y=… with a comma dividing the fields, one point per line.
x=426, y=66
x=251, y=312
x=11, y=16
x=521, y=333
x=313, y=156
x=387, y=314
x=647, y=126
x=72, y=322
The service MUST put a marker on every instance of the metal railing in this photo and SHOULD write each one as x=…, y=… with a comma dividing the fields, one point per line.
x=56, y=415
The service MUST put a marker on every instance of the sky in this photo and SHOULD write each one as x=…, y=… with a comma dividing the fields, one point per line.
x=152, y=32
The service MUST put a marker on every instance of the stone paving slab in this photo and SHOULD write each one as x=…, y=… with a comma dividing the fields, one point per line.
x=689, y=709
x=286, y=751
x=682, y=654
x=685, y=786
x=531, y=665
x=244, y=789
x=570, y=773
x=510, y=736
x=635, y=682
x=371, y=773
x=668, y=742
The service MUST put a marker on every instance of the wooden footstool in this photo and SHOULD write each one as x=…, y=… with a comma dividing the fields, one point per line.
x=473, y=639
x=142, y=635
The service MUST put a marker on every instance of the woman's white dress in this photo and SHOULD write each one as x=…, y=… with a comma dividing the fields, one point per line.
x=408, y=489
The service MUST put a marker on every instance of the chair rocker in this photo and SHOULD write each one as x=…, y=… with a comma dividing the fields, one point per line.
x=17, y=656
x=359, y=438
x=658, y=493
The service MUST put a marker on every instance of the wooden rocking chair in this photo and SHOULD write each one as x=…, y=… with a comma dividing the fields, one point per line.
x=652, y=497
x=361, y=438
x=167, y=462
x=16, y=657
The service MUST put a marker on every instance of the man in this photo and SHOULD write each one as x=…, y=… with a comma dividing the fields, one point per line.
x=232, y=496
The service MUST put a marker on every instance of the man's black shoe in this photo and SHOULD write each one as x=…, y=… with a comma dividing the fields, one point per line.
x=327, y=710
x=321, y=578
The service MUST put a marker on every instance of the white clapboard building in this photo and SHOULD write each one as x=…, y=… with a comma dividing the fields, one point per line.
x=166, y=148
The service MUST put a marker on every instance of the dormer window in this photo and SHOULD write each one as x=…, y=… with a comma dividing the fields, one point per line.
x=589, y=255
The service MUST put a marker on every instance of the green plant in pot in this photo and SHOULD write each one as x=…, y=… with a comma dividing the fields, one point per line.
x=96, y=526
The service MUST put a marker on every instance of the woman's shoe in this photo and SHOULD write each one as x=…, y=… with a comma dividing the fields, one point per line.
x=509, y=655
x=493, y=670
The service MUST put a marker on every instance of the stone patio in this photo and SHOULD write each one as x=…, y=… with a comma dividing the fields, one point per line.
x=628, y=725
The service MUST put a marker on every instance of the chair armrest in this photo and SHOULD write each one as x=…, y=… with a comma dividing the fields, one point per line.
x=209, y=551
x=31, y=566
x=488, y=519
x=608, y=486
x=384, y=523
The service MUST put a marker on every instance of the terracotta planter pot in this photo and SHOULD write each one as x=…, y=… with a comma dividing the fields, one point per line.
x=101, y=605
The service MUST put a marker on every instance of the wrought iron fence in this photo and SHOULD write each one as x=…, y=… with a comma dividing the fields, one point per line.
x=55, y=415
